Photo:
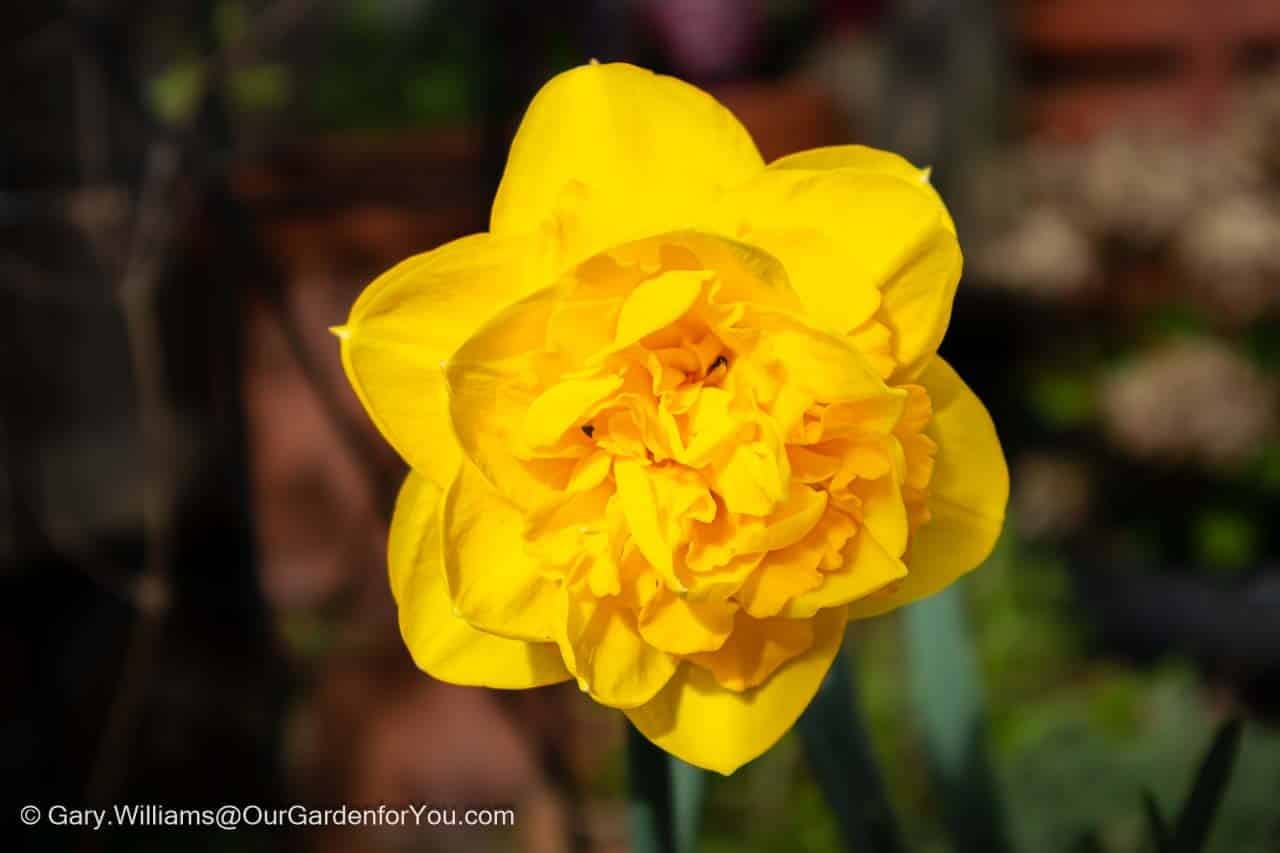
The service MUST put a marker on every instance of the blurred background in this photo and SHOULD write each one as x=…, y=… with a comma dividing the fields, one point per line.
x=193, y=507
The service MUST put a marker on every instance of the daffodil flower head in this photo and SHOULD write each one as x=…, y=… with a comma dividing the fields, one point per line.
x=676, y=417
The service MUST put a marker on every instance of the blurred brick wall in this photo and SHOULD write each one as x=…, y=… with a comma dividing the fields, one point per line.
x=1097, y=63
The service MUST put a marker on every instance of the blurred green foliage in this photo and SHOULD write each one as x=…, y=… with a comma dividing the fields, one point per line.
x=1227, y=541
x=1174, y=320
x=1268, y=468
x=1062, y=399
x=173, y=91
x=771, y=804
x=396, y=71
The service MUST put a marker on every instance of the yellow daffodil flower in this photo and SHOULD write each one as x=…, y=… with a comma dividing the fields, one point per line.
x=676, y=417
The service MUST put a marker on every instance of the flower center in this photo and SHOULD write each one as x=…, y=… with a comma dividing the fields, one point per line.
x=689, y=475
x=681, y=436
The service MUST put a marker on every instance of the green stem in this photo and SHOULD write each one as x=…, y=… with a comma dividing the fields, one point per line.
x=947, y=696
x=844, y=765
x=649, y=815
x=665, y=798
x=689, y=791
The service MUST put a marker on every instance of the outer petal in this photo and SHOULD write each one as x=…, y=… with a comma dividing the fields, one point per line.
x=967, y=495
x=407, y=322
x=859, y=158
x=857, y=245
x=609, y=153
x=494, y=582
x=443, y=645
x=707, y=725
x=491, y=385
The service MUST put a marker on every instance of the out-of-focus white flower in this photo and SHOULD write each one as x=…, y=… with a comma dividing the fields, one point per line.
x=1140, y=185
x=1194, y=400
x=1051, y=495
x=1044, y=254
x=1253, y=134
x=850, y=68
x=1231, y=250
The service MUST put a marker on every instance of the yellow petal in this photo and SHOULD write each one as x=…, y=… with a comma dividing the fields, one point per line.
x=755, y=650
x=641, y=509
x=712, y=424
x=611, y=153
x=700, y=722
x=602, y=647
x=786, y=525
x=738, y=272
x=811, y=466
x=659, y=504
x=657, y=303
x=792, y=571
x=876, y=342
x=443, y=645
x=917, y=303
x=493, y=579
x=862, y=157
x=562, y=406
x=492, y=383
x=754, y=479
x=858, y=158
x=967, y=495
x=867, y=569
x=415, y=531
x=857, y=245
x=724, y=579
x=407, y=322
x=675, y=624
x=743, y=273
x=780, y=578
x=884, y=513
x=828, y=367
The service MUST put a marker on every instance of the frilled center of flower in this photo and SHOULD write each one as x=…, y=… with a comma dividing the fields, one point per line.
x=697, y=461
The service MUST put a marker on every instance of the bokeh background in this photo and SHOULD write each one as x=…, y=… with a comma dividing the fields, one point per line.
x=193, y=508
